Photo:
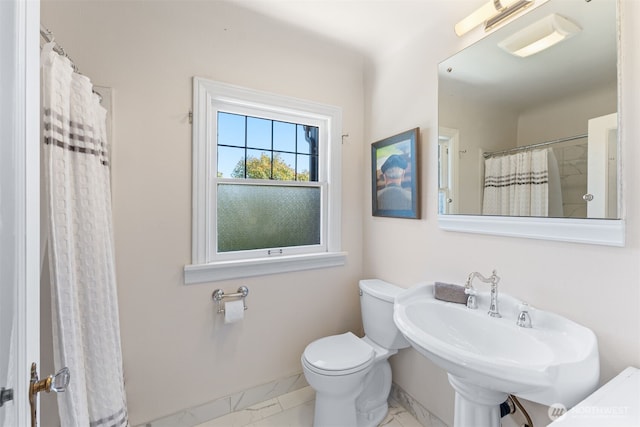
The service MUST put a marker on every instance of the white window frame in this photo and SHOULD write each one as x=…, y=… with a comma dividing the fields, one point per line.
x=210, y=97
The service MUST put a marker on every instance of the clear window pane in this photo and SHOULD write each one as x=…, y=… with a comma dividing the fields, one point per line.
x=304, y=168
x=231, y=129
x=230, y=162
x=303, y=143
x=284, y=136
x=258, y=133
x=261, y=217
x=258, y=164
x=284, y=167
x=276, y=150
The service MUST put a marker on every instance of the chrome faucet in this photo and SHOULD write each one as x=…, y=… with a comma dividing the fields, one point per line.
x=524, y=320
x=469, y=290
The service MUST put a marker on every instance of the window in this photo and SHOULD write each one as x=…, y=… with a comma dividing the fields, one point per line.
x=266, y=184
x=257, y=216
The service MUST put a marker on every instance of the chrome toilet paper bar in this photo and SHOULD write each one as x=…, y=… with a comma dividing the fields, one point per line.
x=218, y=295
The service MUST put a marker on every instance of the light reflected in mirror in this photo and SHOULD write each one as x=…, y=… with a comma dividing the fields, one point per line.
x=533, y=136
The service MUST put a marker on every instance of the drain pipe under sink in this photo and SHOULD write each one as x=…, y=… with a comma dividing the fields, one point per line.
x=510, y=406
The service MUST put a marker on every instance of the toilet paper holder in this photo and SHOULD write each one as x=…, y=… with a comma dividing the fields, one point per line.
x=218, y=295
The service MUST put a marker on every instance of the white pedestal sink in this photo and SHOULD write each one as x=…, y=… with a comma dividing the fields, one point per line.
x=488, y=358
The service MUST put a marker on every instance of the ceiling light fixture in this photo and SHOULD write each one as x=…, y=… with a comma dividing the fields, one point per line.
x=491, y=14
x=539, y=36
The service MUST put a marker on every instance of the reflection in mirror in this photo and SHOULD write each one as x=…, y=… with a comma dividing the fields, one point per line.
x=533, y=135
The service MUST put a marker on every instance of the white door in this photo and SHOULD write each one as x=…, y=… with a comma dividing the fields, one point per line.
x=448, y=154
x=19, y=206
x=602, y=184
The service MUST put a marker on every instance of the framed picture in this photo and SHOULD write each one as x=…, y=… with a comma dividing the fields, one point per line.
x=394, y=176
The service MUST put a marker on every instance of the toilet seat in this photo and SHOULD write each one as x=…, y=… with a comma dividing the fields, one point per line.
x=338, y=355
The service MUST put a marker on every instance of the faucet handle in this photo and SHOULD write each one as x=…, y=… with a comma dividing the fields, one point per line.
x=471, y=299
x=524, y=319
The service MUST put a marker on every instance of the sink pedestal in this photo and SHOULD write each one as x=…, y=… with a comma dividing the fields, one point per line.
x=476, y=406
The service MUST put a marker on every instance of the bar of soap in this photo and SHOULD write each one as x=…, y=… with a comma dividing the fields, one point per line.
x=450, y=293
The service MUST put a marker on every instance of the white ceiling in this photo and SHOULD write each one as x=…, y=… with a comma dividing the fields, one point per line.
x=377, y=27
x=372, y=27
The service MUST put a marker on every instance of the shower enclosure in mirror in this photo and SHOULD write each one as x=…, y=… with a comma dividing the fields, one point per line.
x=533, y=136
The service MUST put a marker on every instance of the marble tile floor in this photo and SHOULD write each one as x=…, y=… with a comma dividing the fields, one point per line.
x=295, y=409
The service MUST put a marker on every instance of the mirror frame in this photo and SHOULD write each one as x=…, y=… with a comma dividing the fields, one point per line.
x=607, y=232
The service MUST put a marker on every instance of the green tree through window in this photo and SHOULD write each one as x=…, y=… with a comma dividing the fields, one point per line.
x=262, y=168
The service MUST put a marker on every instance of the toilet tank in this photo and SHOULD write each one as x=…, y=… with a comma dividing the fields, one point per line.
x=376, y=303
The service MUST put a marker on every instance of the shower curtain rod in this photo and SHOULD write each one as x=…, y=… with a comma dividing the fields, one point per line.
x=532, y=146
x=47, y=35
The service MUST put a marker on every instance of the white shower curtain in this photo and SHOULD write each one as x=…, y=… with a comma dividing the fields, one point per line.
x=517, y=184
x=86, y=332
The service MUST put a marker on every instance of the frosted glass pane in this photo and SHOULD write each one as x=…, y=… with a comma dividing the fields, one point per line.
x=264, y=217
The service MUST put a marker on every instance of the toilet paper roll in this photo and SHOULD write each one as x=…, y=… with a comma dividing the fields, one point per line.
x=233, y=311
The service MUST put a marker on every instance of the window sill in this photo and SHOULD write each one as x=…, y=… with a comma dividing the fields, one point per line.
x=225, y=270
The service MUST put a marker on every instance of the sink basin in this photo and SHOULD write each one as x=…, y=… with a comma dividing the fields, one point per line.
x=487, y=358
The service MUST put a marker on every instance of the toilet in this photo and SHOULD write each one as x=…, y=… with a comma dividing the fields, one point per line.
x=352, y=376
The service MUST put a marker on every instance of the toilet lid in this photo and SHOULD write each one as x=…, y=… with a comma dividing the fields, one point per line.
x=338, y=353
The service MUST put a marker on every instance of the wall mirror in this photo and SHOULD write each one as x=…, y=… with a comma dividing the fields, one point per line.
x=531, y=142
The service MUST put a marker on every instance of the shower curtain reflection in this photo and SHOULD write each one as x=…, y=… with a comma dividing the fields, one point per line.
x=517, y=184
x=567, y=180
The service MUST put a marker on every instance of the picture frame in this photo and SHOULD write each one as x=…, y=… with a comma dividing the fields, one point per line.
x=394, y=176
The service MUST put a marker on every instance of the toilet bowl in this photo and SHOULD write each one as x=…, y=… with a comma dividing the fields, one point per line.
x=352, y=376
